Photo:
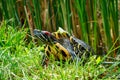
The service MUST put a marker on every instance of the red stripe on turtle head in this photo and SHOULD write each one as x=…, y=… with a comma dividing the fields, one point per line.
x=46, y=33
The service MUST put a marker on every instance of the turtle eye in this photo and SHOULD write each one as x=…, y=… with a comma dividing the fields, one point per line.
x=73, y=41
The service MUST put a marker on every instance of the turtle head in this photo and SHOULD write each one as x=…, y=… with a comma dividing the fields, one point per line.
x=45, y=36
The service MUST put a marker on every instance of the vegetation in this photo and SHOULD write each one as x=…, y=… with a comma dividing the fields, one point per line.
x=94, y=21
x=21, y=61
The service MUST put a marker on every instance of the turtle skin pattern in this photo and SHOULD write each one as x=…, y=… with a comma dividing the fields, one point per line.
x=61, y=46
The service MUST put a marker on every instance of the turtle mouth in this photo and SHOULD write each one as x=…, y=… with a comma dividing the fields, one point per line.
x=44, y=36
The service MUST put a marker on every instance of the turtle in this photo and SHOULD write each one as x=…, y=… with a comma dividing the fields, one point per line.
x=62, y=46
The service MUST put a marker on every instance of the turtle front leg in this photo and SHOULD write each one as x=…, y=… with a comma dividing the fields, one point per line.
x=45, y=61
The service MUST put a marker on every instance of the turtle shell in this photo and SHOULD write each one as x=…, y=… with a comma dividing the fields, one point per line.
x=61, y=34
x=81, y=48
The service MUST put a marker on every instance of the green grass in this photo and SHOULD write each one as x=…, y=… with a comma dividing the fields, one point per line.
x=20, y=61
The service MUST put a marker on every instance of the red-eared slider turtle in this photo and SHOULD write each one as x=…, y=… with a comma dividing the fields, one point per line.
x=62, y=46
